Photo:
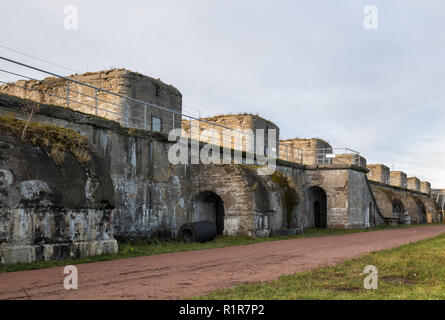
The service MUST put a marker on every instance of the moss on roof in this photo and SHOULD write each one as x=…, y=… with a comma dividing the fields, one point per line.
x=55, y=140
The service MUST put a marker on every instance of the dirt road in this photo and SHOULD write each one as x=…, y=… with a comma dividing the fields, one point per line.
x=184, y=274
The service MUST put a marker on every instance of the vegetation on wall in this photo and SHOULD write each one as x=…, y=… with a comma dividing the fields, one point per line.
x=56, y=141
x=290, y=197
x=391, y=194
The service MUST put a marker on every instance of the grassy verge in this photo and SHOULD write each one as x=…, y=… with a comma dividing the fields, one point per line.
x=412, y=271
x=130, y=249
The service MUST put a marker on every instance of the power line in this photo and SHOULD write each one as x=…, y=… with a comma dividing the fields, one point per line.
x=36, y=58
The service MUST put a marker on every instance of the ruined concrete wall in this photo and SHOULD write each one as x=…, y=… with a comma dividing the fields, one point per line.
x=120, y=81
x=411, y=208
x=151, y=196
x=287, y=216
x=425, y=187
x=253, y=205
x=362, y=206
x=430, y=208
x=349, y=159
x=414, y=203
x=154, y=198
x=51, y=210
x=383, y=201
x=241, y=122
x=413, y=183
x=379, y=173
x=398, y=179
x=350, y=203
x=335, y=184
x=313, y=150
x=229, y=182
x=438, y=198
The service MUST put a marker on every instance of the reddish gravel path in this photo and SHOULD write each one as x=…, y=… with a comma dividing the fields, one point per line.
x=183, y=274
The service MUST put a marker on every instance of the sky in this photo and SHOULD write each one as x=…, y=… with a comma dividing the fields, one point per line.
x=311, y=66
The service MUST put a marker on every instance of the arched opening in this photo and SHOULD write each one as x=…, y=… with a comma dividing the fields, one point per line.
x=209, y=206
x=317, y=202
x=421, y=211
x=397, y=208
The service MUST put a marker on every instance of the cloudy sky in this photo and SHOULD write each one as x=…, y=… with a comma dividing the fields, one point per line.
x=309, y=66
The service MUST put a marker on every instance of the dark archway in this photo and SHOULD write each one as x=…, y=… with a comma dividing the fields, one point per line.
x=397, y=208
x=421, y=211
x=318, y=206
x=209, y=206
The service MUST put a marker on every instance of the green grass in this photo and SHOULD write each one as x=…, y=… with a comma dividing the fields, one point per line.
x=412, y=271
x=130, y=249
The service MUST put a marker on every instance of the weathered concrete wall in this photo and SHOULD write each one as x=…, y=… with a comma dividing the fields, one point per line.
x=362, y=205
x=253, y=205
x=413, y=183
x=120, y=81
x=241, y=122
x=349, y=159
x=350, y=203
x=259, y=205
x=383, y=201
x=425, y=187
x=313, y=150
x=438, y=197
x=51, y=210
x=154, y=198
x=287, y=205
x=379, y=173
x=231, y=185
x=415, y=204
x=398, y=179
x=429, y=206
x=151, y=196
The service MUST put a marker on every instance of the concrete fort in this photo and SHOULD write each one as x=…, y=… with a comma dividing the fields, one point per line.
x=122, y=83
x=121, y=184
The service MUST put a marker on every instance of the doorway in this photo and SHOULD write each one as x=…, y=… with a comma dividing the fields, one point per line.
x=209, y=206
x=318, y=203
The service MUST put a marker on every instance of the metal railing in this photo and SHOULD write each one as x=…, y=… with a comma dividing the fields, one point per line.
x=327, y=156
x=134, y=113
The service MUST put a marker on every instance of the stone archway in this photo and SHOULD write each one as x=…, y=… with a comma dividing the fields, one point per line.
x=317, y=202
x=397, y=208
x=421, y=211
x=209, y=206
